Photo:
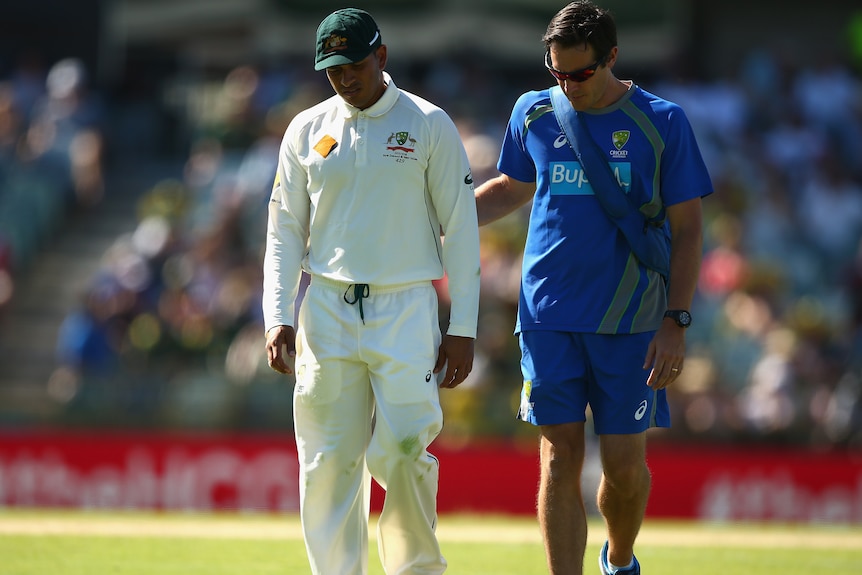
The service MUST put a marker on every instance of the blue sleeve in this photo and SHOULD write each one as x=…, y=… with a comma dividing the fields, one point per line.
x=515, y=160
x=683, y=172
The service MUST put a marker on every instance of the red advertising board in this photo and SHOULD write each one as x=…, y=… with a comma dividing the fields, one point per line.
x=119, y=470
x=210, y=471
x=260, y=473
x=755, y=484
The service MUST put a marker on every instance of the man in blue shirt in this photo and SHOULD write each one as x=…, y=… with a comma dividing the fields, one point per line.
x=596, y=325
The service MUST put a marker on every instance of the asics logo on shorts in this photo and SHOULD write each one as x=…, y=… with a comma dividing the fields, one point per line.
x=639, y=414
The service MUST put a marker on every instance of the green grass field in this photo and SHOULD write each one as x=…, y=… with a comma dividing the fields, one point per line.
x=36, y=542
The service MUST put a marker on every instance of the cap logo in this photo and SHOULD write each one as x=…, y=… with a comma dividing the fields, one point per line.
x=373, y=40
x=334, y=43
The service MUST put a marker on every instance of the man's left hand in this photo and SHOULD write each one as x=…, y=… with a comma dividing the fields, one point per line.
x=665, y=355
x=456, y=355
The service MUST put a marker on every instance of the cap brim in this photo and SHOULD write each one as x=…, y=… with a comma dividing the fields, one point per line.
x=334, y=60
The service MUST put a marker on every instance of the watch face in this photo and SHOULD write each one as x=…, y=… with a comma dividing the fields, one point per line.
x=680, y=316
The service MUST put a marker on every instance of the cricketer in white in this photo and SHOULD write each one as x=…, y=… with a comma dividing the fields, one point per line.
x=371, y=210
x=360, y=198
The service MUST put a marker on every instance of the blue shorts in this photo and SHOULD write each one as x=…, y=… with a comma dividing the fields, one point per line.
x=564, y=372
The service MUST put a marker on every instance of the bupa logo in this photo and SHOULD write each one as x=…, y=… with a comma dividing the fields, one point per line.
x=569, y=179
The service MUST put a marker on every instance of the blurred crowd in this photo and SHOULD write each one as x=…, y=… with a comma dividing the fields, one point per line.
x=51, y=156
x=173, y=317
x=777, y=351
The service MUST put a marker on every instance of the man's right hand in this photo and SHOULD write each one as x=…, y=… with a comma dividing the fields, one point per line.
x=281, y=348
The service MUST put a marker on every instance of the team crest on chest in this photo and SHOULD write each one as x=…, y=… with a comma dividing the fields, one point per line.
x=620, y=138
x=401, y=146
x=399, y=139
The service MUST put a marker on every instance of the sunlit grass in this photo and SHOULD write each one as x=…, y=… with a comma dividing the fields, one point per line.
x=34, y=542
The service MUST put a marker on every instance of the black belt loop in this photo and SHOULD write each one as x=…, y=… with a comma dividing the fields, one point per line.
x=360, y=292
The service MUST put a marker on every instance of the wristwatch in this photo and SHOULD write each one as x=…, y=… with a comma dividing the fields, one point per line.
x=680, y=316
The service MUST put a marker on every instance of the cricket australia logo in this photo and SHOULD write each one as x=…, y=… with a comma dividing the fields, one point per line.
x=400, y=145
x=401, y=138
x=620, y=138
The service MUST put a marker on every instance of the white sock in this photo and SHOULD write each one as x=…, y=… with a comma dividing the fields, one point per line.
x=614, y=568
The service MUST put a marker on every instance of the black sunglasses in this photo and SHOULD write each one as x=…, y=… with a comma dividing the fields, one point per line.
x=579, y=76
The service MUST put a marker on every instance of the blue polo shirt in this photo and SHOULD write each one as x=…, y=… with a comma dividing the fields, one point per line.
x=578, y=273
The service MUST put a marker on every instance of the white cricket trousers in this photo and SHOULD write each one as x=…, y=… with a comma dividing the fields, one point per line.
x=366, y=401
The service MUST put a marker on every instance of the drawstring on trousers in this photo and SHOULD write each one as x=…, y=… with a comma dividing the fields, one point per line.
x=360, y=292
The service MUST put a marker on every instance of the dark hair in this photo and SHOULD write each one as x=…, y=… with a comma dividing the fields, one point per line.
x=583, y=22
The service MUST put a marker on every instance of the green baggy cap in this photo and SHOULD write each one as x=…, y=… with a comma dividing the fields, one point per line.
x=344, y=37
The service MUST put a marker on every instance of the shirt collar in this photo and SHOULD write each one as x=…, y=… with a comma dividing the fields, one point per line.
x=381, y=106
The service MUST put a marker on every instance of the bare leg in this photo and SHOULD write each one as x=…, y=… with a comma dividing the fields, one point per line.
x=562, y=516
x=623, y=492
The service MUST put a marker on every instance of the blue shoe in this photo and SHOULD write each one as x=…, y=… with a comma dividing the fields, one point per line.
x=635, y=569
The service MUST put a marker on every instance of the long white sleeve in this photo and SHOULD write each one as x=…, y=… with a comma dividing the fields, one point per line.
x=360, y=197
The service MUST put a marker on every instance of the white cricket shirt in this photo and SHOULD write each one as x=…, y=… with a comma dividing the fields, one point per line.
x=360, y=196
